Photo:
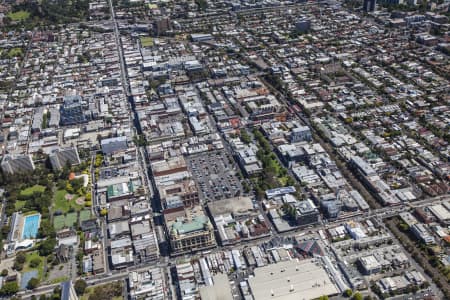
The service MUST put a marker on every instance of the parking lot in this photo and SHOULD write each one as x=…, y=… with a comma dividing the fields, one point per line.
x=215, y=174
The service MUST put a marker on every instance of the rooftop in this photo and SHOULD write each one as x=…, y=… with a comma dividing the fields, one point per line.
x=294, y=279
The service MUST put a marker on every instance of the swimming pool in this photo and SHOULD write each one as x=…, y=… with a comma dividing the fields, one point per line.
x=31, y=226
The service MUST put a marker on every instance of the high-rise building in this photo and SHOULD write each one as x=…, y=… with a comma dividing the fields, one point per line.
x=60, y=157
x=369, y=5
x=12, y=164
x=303, y=25
x=162, y=25
x=73, y=111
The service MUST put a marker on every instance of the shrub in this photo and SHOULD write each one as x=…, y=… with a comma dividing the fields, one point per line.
x=32, y=283
x=35, y=262
x=21, y=258
x=80, y=287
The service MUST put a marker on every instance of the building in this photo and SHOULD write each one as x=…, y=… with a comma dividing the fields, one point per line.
x=421, y=232
x=148, y=284
x=236, y=218
x=98, y=261
x=307, y=213
x=200, y=37
x=121, y=253
x=162, y=25
x=63, y=156
x=12, y=164
x=310, y=247
x=362, y=166
x=441, y=212
x=168, y=167
x=67, y=237
x=370, y=264
x=68, y=291
x=189, y=230
x=73, y=111
x=276, y=192
x=369, y=5
x=302, y=133
x=292, y=279
x=219, y=290
x=114, y=145
x=248, y=160
x=332, y=208
x=185, y=191
x=303, y=25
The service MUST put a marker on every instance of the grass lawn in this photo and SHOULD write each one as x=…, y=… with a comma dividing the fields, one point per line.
x=19, y=15
x=35, y=188
x=62, y=204
x=146, y=41
x=19, y=204
x=26, y=267
x=59, y=279
x=59, y=222
x=90, y=290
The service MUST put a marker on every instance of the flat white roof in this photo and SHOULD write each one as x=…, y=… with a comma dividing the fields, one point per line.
x=440, y=212
x=292, y=279
x=220, y=290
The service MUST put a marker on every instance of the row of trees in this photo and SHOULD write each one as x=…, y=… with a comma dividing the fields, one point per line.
x=274, y=174
x=424, y=256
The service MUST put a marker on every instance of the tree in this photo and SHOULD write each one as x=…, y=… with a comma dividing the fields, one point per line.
x=4, y=272
x=32, y=283
x=5, y=230
x=17, y=266
x=46, y=229
x=69, y=188
x=9, y=288
x=80, y=287
x=47, y=247
x=245, y=137
x=21, y=258
x=35, y=262
x=348, y=293
x=357, y=296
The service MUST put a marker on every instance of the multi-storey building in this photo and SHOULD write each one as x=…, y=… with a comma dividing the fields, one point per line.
x=189, y=230
x=60, y=157
x=12, y=164
x=186, y=191
x=73, y=111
